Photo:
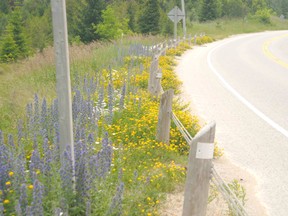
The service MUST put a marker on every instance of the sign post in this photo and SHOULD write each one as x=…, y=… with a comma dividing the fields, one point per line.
x=63, y=75
x=184, y=18
x=175, y=16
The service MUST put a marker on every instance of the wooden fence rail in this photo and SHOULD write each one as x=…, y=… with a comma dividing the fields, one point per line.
x=200, y=167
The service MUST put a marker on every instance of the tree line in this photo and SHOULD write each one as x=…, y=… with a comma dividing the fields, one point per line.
x=26, y=25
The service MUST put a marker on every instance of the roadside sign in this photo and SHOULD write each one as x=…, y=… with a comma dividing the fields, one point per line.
x=176, y=14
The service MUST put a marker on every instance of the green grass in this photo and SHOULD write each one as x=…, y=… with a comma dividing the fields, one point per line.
x=20, y=81
x=222, y=28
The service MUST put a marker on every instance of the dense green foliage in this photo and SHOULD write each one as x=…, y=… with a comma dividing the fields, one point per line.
x=28, y=23
x=149, y=19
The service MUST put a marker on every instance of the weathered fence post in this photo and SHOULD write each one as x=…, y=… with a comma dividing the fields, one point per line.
x=164, y=117
x=199, y=172
x=154, y=82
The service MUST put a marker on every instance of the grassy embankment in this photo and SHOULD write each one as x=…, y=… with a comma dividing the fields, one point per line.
x=148, y=168
x=20, y=81
x=222, y=28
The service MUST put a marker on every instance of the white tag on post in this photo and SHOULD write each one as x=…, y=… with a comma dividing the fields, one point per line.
x=205, y=150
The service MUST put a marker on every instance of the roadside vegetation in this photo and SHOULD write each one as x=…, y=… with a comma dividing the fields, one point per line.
x=120, y=168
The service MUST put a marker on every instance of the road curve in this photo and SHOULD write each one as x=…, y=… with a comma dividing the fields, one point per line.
x=242, y=83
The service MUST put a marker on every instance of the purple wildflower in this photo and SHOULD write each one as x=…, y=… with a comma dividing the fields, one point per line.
x=19, y=172
x=135, y=175
x=29, y=211
x=18, y=209
x=30, y=121
x=1, y=209
x=43, y=118
x=11, y=141
x=4, y=162
x=37, y=206
x=47, y=157
x=116, y=204
x=122, y=98
x=90, y=140
x=55, y=111
x=88, y=208
x=101, y=98
x=66, y=171
x=100, y=163
x=110, y=102
x=23, y=199
x=56, y=140
x=36, y=111
x=20, y=132
x=83, y=179
x=36, y=164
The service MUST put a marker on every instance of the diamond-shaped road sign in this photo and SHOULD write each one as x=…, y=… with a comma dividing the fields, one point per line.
x=176, y=14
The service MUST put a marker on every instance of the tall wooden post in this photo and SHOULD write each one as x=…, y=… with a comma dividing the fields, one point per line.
x=63, y=75
x=199, y=172
x=164, y=118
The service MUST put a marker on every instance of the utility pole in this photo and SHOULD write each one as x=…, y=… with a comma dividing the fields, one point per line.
x=63, y=76
x=184, y=18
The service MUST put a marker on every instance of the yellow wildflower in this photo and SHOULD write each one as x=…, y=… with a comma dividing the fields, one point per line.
x=30, y=187
x=6, y=201
x=8, y=183
x=11, y=173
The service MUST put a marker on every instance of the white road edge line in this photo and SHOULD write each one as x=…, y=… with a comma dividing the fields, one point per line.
x=240, y=97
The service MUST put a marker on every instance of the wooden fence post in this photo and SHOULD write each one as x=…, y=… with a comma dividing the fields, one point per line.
x=164, y=118
x=199, y=172
x=154, y=82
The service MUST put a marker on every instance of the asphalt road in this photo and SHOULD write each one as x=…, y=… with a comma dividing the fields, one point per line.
x=242, y=83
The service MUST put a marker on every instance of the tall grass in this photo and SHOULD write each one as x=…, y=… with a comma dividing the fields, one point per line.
x=222, y=28
x=21, y=80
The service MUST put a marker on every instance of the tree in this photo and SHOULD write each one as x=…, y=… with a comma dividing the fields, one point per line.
x=42, y=32
x=284, y=7
x=92, y=17
x=209, y=10
x=75, y=16
x=234, y=8
x=131, y=16
x=4, y=6
x=149, y=20
x=258, y=5
x=112, y=26
x=9, y=51
x=14, y=44
x=18, y=32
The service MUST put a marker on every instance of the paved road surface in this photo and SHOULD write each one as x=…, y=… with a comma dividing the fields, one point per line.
x=242, y=83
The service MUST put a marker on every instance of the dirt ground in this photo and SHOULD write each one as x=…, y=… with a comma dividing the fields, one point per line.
x=228, y=171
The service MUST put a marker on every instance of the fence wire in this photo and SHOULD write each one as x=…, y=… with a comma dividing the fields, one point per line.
x=234, y=204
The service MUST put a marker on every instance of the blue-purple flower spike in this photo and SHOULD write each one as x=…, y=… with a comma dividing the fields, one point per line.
x=4, y=162
x=66, y=171
x=1, y=209
x=116, y=204
x=23, y=200
x=47, y=157
x=37, y=205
